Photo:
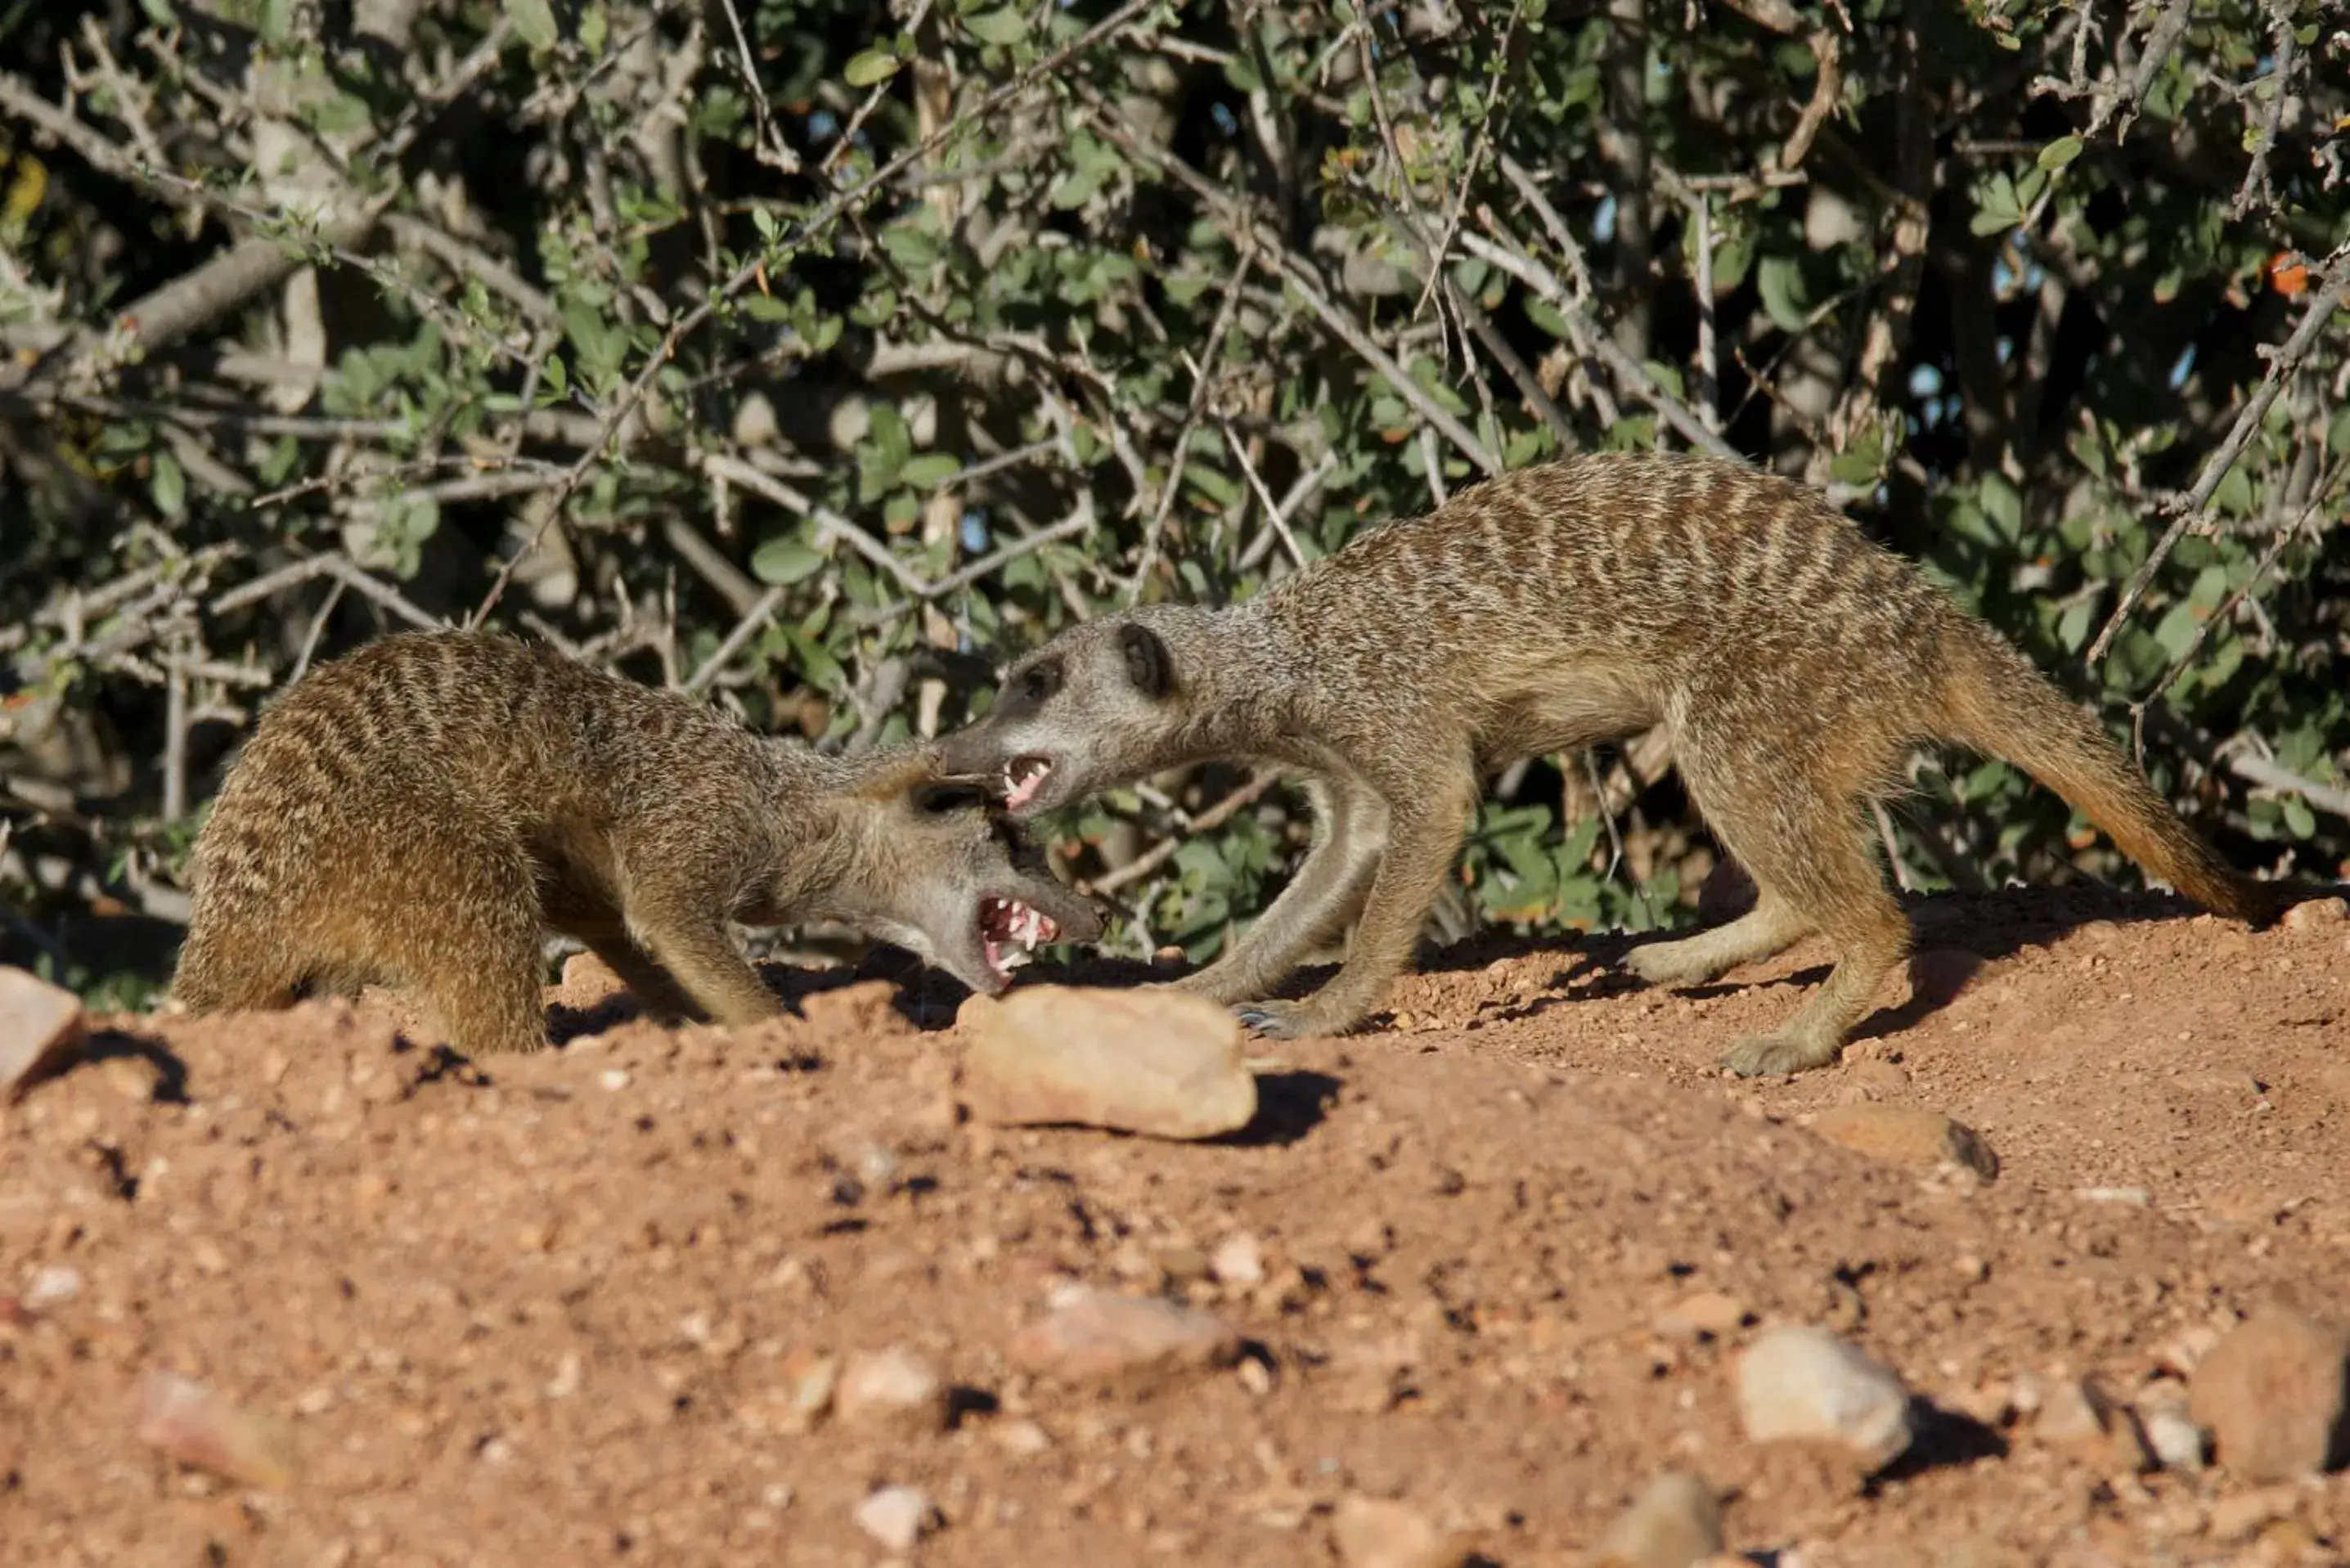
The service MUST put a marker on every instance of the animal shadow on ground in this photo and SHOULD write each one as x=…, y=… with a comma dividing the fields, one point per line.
x=170, y=1086
x=1289, y=1105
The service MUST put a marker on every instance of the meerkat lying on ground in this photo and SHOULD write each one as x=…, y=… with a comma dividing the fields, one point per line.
x=422, y=810
x=1795, y=663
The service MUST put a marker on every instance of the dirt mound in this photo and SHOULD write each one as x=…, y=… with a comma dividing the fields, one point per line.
x=1495, y=1259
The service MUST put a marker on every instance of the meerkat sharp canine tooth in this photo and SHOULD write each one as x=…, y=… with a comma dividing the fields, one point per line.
x=424, y=809
x=1793, y=664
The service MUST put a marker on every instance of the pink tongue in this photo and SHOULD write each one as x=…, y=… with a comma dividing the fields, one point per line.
x=1024, y=790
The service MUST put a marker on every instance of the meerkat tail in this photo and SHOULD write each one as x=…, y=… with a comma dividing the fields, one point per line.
x=2000, y=705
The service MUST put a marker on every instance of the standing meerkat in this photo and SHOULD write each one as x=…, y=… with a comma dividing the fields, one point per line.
x=425, y=809
x=1795, y=663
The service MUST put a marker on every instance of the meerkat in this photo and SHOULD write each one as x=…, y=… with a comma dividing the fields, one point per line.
x=1795, y=663
x=422, y=811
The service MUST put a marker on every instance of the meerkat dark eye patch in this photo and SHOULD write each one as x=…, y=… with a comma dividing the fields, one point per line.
x=1147, y=664
x=944, y=799
x=1029, y=690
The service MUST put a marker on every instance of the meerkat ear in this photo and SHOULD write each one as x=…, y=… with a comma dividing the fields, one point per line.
x=1148, y=663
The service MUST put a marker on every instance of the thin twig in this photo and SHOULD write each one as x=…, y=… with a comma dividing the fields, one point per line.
x=1200, y=386
x=1208, y=821
x=2333, y=285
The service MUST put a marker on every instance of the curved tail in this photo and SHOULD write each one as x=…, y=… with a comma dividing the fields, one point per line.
x=1998, y=702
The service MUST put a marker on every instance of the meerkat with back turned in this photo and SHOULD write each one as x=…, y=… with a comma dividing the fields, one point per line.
x=425, y=809
x=1795, y=663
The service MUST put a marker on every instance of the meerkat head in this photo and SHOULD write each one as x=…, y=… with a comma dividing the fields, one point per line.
x=1099, y=705
x=953, y=879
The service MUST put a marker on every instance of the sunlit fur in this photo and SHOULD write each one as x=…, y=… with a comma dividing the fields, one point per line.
x=1796, y=665
x=421, y=811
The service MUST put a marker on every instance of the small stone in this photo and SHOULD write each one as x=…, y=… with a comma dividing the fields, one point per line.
x=615, y=1079
x=1380, y=1532
x=1675, y=1524
x=587, y=982
x=2272, y=1392
x=1151, y=1061
x=1238, y=1259
x=1902, y=1136
x=2317, y=914
x=57, y=1282
x=809, y=1379
x=1023, y=1438
x=1713, y=1313
x=2172, y=1433
x=2245, y=1515
x=37, y=1023
x=895, y=1516
x=895, y=1385
x=184, y=1419
x=1797, y=1382
x=1098, y=1335
x=2079, y=1414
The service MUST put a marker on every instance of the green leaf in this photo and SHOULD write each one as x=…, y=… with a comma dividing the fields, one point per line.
x=2060, y=152
x=873, y=66
x=169, y=486
x=929, y=470
x=1002, y=26
x=533, y=21
x=782, y=561
x=1780, y=280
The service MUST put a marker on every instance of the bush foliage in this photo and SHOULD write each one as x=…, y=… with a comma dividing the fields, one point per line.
x=816, y=355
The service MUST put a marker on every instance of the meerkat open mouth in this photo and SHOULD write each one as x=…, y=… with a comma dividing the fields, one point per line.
x=1009, y=932
x=1023, y=777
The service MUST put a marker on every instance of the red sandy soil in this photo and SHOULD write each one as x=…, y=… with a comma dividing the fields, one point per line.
x=547, y=1311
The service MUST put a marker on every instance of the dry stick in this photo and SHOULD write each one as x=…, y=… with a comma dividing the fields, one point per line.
x=831, y=524
x=2333, y=283
x=1468, y=177
x=2271, y=775
x=1295, y=270
x=773, y=149
x=334, y=592
x=1208, y=821
x=1273, y=509
x=2256, y=174
x=2261, y=568
x=1191, y=415
x=1628, y=371
x=1709, y=377
x=832, y=208
x=1277, y=519
x=175, y=734
x=341, y=569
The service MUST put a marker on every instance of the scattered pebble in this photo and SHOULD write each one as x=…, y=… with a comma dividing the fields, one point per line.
x=38, y=1020
x=57, y=1282
x=1025, y=1438
x=2272, y=1393
x=1675, y=1524
x=1714, y=1313
x=2317, y=914
x=895, y=1384
x=1903, y=1135
x=895, y=1516
x=1238, y=1259
x=2170, y=1431
x=1799, y=1382
x=1098, y=1335
x=1145, y=1060
x=2135, y=1196
x=1380, y=1532
x=189, y=1422
x=2240, y=1517
x=2080, y=1414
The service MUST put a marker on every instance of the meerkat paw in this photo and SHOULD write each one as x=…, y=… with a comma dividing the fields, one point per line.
x=1286, y=1020
x=1777, y=1056
x=1671, y=963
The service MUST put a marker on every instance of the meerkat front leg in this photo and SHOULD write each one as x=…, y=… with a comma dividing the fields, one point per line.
x=1426, y=826
x=1349, y=830
x=700, y=954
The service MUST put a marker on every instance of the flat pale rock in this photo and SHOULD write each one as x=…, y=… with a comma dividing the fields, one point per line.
x=1380, y=1532
x=1096, y=1335
x=1675, y=1524
x=2272, y=1394
x=2317, y=914
x=1900, y=1134
x=2079, y=1414
x=895, y=1516
x=191, y=1423
x=38, y=1020
x=1804, y=1383
x=1142, y=1061
x=895, y=1386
